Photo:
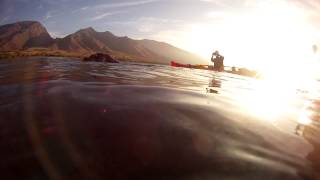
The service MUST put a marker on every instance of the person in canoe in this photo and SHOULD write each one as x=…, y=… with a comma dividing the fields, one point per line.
x=217, y=59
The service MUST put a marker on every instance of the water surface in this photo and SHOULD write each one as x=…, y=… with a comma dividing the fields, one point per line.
x=66, y=119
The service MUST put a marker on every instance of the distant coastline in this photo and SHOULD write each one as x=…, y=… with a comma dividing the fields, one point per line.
x=46, y=52
x=35, y=52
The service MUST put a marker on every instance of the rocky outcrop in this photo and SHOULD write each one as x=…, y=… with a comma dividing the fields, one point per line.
x=100, y=57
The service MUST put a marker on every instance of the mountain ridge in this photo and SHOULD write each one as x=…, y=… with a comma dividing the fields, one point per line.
x=24, y=35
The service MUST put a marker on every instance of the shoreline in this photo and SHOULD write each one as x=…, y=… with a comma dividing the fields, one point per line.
x=43, y=52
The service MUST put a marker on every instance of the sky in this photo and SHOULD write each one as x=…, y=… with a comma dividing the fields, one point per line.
x=249, y=33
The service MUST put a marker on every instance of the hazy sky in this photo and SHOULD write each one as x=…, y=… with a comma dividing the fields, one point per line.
x=249, y=33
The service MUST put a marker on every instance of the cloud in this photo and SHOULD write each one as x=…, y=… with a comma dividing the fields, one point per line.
x=84, y=8
x=81, y=9
x=159, y=20
x=103, y=15
x=124, y=4
x=114, y=5
x=52, y=13
x=145, y=28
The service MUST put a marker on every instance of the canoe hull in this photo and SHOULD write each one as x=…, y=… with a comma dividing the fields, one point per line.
x=197, y=66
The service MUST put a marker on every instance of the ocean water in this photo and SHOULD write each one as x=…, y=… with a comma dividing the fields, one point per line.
x=66, y=119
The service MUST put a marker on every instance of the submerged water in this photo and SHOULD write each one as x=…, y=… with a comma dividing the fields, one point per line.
x=66, y=119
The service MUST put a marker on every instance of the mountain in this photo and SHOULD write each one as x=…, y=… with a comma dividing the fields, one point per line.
x=170, y=52
x=22, y=35
x=31, y=34
x=88, y=41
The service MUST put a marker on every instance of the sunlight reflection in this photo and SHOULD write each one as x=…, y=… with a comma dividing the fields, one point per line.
x=273, y=95
x=269, y=99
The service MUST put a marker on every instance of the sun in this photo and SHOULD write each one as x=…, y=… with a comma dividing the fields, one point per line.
x=271, y=37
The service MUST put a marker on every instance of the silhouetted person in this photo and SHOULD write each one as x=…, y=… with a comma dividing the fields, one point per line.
x=315, y=48
x=217, y=59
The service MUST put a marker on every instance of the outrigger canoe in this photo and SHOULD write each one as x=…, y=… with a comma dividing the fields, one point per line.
x=239, y=71
x=196, y=66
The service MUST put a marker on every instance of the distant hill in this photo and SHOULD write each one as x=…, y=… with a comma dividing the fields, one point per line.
x=31, y=34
